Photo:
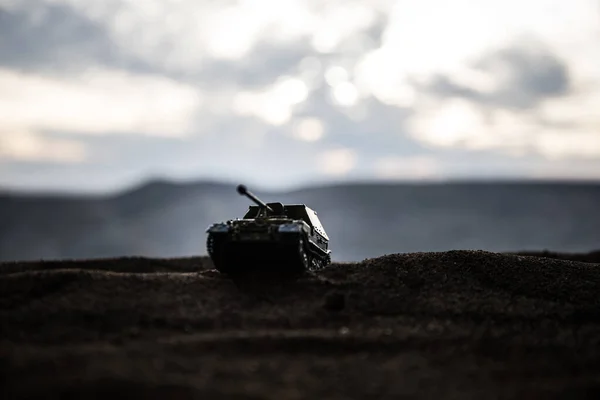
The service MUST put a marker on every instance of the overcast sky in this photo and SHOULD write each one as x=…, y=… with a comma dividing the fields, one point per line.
x=97, y=95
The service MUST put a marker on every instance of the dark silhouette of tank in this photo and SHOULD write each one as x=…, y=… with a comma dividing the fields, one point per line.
x=285, y=237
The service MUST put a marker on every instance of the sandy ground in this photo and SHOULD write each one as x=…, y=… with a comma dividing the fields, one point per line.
x=458, y=324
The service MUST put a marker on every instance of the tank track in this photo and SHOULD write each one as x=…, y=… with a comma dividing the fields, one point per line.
x=234, y=257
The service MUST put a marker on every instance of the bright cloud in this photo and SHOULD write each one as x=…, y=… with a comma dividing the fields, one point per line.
x=193, y=31
x=309, y=129
x=448, y=124
x=577, y=144
x=26, y=146
x=275, y=104
x=432, y=37
x=571, y=132
x=345, y=94
x=101, y=101
x=436, y=37
x=337, y=162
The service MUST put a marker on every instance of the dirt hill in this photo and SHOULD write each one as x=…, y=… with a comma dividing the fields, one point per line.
x=458, y=324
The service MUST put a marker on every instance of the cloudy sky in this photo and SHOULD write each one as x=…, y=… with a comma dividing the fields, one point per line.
x=97, y=95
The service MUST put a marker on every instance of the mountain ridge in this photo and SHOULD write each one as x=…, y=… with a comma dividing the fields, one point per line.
x=162, y=218
x=219, y=183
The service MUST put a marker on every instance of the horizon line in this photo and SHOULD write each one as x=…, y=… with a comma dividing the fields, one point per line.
x=316, y=184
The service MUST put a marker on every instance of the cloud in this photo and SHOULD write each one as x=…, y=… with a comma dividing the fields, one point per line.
x=459, y=123
x=343, y=92
x=518, y=52
x=568, y=170
x=336, y=90
x=524, y=102
x=180, y=36
x=337, y=162
x=26, y=146
x=267, y=62
x=102, y=101
x=559, y=144
x=515, y=77
x=55, y=37
x=413, y=167
x=274, y=104
x=309, y=129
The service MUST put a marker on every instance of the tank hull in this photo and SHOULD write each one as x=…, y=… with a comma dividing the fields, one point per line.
x=248, y=251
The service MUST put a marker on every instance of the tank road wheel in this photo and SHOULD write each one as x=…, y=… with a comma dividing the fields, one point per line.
x=315, y=264
x=214, y=246
x=304, y=261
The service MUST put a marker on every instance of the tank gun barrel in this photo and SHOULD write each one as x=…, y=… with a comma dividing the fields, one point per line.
x=245, y=192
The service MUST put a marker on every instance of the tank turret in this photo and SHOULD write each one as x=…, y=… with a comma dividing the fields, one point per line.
x=241, y=189
x=286, y=237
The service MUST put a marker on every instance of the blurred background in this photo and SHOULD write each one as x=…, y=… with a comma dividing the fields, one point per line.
x=407, y=125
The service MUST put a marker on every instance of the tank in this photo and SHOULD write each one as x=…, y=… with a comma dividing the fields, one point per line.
x=284, y=237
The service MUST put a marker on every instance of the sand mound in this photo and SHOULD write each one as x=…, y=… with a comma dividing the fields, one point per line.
x=458, y=324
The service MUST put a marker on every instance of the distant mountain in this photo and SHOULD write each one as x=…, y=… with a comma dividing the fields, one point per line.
x=163, y=219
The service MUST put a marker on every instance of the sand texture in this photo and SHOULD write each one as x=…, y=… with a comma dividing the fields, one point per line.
x=458, y=324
